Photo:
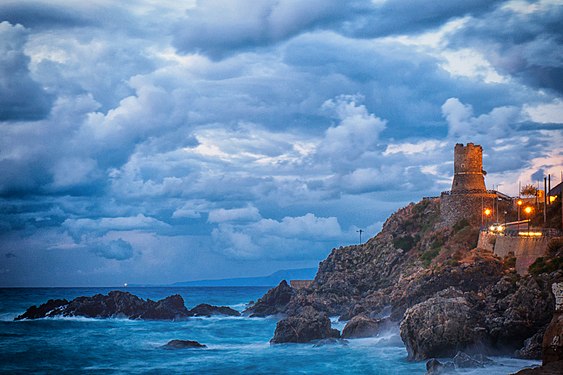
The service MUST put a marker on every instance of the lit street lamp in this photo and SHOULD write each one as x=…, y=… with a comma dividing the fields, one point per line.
x=519, y=203
x=487, y=212
x=528, y=210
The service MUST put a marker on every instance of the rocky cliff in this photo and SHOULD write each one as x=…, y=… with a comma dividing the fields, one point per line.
x=429, y=277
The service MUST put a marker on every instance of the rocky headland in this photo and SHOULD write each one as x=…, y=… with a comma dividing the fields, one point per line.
x=118, y=304
x=431, y=280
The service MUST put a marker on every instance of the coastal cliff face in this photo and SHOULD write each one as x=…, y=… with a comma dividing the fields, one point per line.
x=446, y=294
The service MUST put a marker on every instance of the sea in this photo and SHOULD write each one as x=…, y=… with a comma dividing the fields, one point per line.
x=235, y=345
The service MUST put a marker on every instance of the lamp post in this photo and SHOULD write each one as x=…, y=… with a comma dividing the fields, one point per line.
x=528, y=210
x=519, y=203
x=360, y=231
x=487, y=213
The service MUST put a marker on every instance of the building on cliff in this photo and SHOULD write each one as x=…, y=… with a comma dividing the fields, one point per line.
x=469, y=198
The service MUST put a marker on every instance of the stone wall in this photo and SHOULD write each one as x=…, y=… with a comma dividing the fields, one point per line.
x=454, y=207
x=487, y=241
x=525, y=249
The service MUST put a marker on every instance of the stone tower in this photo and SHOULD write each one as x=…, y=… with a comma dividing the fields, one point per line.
x=469, y=195
x=468, y=168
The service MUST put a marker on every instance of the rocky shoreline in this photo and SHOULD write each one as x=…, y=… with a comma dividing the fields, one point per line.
x=446, y=295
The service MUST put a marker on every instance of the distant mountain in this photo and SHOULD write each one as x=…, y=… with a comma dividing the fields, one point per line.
x=271, y=280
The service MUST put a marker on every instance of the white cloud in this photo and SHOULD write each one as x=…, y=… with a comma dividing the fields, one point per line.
x=84, y=226
x=356, y=133
x=235, y=214
x=546, y=112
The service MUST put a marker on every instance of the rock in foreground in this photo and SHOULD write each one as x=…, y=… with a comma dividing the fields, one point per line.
x=117, y=304
x=362, y=326
x=183, y=344
x=440, y=327
x=308, y=326
x=273, y=302
x=207, y=310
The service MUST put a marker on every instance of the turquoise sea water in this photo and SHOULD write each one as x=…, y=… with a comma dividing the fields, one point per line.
x=237, y=345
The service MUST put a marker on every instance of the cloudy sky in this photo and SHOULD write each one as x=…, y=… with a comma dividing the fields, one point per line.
x=156, y=141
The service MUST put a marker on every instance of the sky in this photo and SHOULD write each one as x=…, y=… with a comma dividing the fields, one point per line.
x=161, y=141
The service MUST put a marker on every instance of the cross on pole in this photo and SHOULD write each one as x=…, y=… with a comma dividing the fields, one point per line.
x=360, y=231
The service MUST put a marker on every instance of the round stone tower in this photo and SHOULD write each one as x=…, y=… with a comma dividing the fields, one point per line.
x=469, y=195
x=468, y=168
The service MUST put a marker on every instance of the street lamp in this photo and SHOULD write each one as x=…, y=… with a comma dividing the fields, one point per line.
x=487, y=213
x=528, y=210
x=360, y=232
x=519, y=203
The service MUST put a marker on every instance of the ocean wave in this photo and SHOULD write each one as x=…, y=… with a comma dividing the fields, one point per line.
x=81, y=319
x=238, y=306
x=8, y=317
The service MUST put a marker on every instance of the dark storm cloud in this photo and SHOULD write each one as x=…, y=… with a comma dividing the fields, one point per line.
x=116, y=249
x=247, y=24
x=412, y=16
x=525, y=44
x=21, y=98
x=41, y=15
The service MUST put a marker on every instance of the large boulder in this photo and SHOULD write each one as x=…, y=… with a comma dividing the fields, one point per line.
x=205, y=309
x=273, y=302
x=440, y=327
x=515, y=310
x=362, y=326
x=532, y=347
x=115, y=304
x=308, y=326
x=552, y=345
x=169, y=308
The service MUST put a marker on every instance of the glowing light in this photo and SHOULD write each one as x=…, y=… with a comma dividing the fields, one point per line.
x=530, y=234
x=487, y=211
x=528, y=210
x=519, y=202
x=552, y=198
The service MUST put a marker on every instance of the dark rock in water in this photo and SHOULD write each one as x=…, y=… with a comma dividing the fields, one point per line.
x=532, y=346
x=330, y=341
x=169, y=308
x=205, y=309
x=464, y=360
x=309, y=325
x=483, y=359
x=435, y=367
x=183, y=344
x=440, y=327
x=48, y=309
x=273, y=302
x=116, y=304
x=362, y=326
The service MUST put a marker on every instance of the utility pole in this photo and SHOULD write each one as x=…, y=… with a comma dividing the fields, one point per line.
x=360, y=232
x=544, y=201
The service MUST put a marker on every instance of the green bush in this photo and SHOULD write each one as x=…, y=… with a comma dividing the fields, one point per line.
x=428, y=255
x=460, y=225
x=405, y=242
x=543, y=265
